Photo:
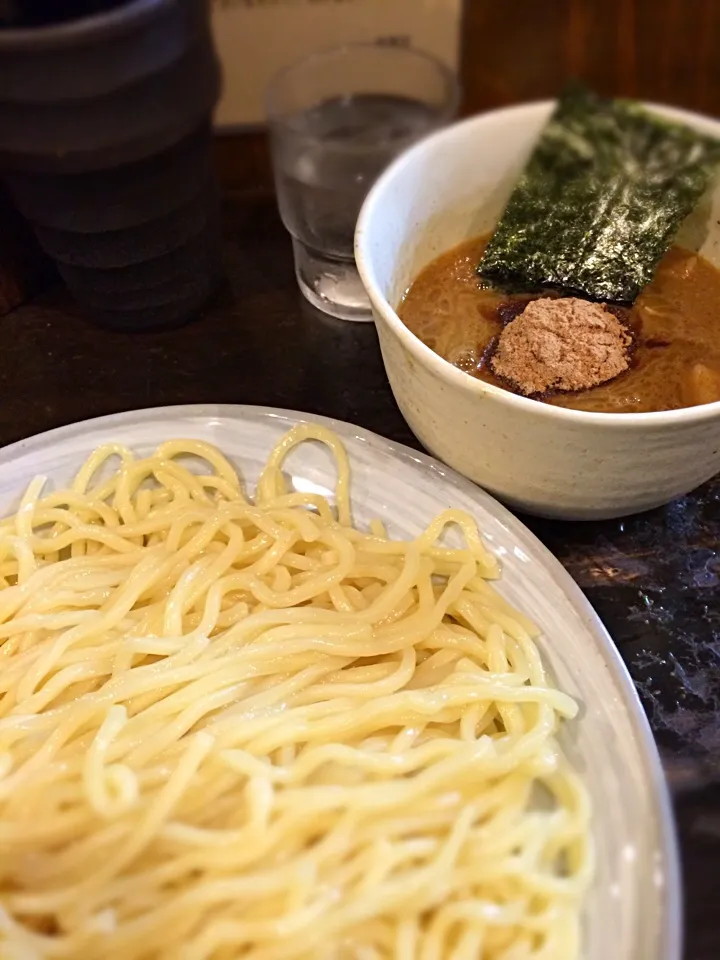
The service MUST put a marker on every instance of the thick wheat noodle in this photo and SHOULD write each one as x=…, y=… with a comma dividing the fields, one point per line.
x=235, y=729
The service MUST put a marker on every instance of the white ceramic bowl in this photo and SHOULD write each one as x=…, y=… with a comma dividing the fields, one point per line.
x=543, y=459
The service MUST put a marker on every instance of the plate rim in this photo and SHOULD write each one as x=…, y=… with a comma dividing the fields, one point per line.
x=672, y=928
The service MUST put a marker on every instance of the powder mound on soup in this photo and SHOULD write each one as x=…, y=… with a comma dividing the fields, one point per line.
x=674, y=322
x=562, y=344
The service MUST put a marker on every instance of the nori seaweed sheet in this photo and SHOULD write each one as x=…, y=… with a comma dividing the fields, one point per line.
x=600, y=200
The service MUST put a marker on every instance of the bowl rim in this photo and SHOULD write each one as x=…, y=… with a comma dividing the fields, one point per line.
x=111, y=24
x=371, y=211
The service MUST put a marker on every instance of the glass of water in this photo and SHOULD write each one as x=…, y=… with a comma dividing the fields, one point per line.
x=337, y=119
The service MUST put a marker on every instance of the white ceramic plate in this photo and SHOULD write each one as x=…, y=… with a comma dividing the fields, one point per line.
x=634, y=911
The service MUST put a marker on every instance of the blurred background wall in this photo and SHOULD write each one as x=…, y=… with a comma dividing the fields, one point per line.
x=663, y=50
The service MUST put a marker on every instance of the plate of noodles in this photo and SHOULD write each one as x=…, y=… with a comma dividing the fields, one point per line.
x=274, y=687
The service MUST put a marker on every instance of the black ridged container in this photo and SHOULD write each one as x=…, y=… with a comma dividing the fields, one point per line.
x=105, y=148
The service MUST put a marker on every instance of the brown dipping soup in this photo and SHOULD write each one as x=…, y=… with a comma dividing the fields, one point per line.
x=676, y=322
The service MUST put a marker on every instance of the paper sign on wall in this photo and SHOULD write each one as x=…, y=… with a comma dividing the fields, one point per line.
x=256, y=38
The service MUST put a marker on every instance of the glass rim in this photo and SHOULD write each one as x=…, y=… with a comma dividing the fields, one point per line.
x=449, y=76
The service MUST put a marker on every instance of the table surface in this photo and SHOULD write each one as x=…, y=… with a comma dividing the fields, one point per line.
x=654, y=579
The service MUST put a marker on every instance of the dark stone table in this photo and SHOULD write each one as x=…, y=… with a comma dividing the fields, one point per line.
x=654, y=579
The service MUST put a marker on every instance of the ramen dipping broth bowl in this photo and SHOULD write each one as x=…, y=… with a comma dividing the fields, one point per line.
x=543, y=459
